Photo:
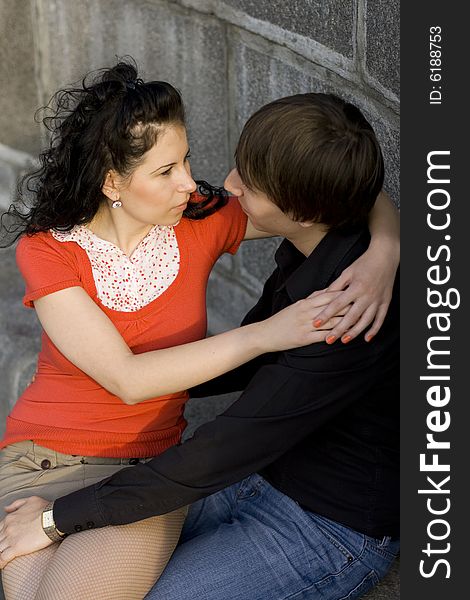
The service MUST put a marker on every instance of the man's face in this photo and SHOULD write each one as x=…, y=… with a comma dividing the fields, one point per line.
x=263, y=214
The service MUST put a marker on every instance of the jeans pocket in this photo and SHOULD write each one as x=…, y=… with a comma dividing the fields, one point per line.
x=369, y=581
x=328, y=555
x=337, y=544
x=385, y=547
x=349, y=542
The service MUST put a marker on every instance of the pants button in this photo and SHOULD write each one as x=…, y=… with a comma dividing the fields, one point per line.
x=46, y=464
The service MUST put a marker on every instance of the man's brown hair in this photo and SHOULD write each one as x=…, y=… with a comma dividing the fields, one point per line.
x=315, y=156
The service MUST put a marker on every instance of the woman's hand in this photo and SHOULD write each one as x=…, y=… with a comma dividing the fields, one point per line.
x=368, y=282
x=293, y=326
x=368, y=285
x=21, y=530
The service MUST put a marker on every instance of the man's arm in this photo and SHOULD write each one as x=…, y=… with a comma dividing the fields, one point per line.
x=368, y=282
x=233, y=381
x=284, y=402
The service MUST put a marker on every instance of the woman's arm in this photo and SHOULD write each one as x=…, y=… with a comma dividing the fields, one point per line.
x=368, y=282
x=255, y=234
x=85, y=335
x=384, y=224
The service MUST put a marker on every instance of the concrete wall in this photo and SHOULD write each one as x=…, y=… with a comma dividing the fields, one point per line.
x=228, y=57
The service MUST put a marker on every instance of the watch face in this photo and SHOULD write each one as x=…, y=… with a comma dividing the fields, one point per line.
x=47, y=519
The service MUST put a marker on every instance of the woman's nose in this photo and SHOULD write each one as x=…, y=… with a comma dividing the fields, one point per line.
x=233, y=182
x=187, y=184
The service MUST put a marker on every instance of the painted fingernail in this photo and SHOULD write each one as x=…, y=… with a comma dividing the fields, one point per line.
x=369, y=337
x=346, y=339
x=330, y=339
x=317, y=323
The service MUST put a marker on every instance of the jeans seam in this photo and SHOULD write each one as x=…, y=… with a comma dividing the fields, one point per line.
x=371, y=572
x=313, y=585
x=383, y=552
x=350, y=556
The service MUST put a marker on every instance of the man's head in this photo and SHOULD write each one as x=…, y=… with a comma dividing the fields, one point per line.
x=315, y=157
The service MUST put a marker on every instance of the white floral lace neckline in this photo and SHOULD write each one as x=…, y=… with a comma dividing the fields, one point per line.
x=129, y=283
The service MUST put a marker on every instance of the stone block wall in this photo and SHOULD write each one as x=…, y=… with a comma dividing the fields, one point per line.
x=228, y=57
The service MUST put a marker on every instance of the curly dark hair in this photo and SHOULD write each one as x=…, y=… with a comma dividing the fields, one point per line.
x=109, y=122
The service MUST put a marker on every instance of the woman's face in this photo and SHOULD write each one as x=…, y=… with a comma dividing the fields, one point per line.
x=158, y=190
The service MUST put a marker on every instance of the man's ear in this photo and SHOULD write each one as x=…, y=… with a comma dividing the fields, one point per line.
x=307, y=224
x=110, y=188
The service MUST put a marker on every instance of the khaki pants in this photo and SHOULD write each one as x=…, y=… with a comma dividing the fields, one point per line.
x=27, y=469
x=113, y=562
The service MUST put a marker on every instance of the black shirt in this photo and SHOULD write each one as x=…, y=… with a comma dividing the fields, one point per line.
x=320, y=423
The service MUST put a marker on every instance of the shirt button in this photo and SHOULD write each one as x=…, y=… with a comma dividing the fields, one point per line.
x=78, y=527
x=133, y=461
x=90, y=524
x=46, y=464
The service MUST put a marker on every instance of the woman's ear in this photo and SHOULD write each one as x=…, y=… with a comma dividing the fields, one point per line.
x=110, y=188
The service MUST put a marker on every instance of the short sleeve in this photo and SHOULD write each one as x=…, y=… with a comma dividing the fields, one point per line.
x=224, y=230
x=46, y=266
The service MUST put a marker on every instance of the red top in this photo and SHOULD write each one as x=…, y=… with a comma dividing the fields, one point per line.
x=66, y=410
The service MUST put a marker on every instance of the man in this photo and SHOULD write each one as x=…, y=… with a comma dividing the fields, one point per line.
x=313, y=439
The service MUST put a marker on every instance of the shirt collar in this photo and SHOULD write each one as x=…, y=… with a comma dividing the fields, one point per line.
x=303, y=275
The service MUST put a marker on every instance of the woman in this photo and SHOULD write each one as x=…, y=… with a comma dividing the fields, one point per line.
x=116, y=248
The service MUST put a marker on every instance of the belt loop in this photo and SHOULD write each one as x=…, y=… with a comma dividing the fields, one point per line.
x=385, y=541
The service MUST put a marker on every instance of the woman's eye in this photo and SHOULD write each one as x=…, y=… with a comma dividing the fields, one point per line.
x=187, y=157
x=167, y=172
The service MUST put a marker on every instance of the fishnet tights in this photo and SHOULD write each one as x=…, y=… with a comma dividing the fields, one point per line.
x=113, y=563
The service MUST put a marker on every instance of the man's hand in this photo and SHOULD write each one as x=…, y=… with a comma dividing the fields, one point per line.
x=21, y=530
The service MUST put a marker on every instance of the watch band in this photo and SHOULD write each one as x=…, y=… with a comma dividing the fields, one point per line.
x=49, y=526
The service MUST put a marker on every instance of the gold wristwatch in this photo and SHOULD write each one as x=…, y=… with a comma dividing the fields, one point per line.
x=49, y=526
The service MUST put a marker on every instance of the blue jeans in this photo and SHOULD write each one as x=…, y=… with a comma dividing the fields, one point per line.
x=251, y=542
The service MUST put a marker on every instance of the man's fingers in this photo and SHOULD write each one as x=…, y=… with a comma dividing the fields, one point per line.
x=15, y=505
x=6, y=556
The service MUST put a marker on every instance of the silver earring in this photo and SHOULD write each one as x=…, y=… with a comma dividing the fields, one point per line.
x=117, y=204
